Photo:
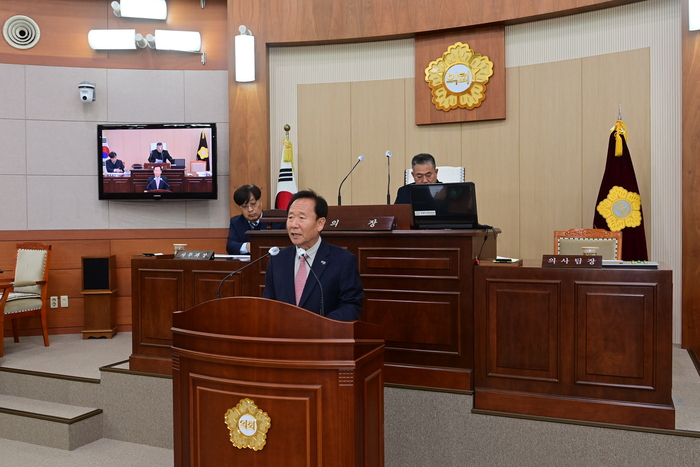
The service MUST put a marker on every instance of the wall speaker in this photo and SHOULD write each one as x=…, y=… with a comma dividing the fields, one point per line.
x=99, y=273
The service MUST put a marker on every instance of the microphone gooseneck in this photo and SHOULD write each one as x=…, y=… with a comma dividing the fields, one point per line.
x=359, y=159
x=302, y=257
x=271, y=252
x=388, y=177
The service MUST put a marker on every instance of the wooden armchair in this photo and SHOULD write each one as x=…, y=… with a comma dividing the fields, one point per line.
x=571, y=242
x=26, y=293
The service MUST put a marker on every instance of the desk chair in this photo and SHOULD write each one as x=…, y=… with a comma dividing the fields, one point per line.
x=570, y=242
x=446, y=174
x=26, y=293
x=198, y=166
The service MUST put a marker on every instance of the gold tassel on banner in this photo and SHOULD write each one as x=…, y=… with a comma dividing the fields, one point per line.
x=620, y=130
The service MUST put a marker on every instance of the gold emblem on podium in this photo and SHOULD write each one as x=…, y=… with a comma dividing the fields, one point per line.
x=621, y=209
x=248, y=425
x=458, y=79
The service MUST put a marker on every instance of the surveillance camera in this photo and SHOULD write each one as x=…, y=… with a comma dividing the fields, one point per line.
x=87, y=91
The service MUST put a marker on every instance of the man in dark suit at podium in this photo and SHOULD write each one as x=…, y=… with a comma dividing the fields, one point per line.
x=424, y=170
x=288, y=277
x=156, y=182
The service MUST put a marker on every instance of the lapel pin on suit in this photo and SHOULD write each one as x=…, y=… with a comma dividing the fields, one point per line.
x=323, y=262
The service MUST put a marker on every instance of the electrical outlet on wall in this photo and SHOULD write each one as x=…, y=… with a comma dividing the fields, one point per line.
x=54, y=302
x=64, y=301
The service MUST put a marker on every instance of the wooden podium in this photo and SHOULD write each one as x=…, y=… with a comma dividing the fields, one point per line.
x=318, y=380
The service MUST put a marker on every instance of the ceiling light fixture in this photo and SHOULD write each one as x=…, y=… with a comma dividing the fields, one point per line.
x=147, y=9
x=112, y=39
x=693, y=15
x=244, y=51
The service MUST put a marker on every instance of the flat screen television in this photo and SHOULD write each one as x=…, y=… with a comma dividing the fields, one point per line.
x=183, y=166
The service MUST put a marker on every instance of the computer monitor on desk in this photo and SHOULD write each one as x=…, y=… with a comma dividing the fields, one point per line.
x=444, y=206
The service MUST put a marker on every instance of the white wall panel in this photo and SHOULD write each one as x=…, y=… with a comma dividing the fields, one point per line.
x=52, y=94
x=146, y=96
x=13, y=142
x=13, y=189
x=12, y=91
x=66, y=202
x=48, y=144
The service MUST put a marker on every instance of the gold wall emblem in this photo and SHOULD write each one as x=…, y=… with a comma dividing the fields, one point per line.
x=458, y=79
x=248, y=425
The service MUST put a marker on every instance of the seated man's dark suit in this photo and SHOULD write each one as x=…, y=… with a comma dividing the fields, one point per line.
x=165, y=156
x=110, y=166
x=403, y=196
x=237, y=228
x=151, y=185
x=337, y=271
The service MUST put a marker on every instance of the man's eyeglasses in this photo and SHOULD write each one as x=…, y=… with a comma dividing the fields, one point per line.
x=250, y=204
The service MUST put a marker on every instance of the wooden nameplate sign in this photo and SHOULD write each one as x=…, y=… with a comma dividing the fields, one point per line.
x=339, y=223
x=572, y=261
x=360, y=223
x=162, y=165
x=201, y=255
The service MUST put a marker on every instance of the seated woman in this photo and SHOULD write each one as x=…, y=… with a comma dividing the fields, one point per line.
x=247, y=198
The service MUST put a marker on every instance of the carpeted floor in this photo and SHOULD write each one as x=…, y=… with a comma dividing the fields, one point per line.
x=68, y=354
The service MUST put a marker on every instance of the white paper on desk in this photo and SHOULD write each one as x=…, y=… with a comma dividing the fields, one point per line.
x=507, y=258
x=238, y=257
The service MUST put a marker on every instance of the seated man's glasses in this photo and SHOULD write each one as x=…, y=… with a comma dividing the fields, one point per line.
x=249, y=205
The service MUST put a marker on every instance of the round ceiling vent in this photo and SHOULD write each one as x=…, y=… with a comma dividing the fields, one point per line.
x=21, y=32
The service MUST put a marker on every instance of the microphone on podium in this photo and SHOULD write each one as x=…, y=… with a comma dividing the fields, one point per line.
x=301, y=253
x=359, y=159
x=271, y=252
x=388, y=177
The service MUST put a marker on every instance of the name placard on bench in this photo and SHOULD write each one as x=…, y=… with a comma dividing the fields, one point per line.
x=572, y=261
x=361, y=223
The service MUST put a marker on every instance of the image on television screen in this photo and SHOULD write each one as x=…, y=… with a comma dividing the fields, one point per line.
x=157, y=161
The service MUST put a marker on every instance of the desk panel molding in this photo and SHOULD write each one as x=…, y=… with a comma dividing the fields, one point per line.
x=609, y=361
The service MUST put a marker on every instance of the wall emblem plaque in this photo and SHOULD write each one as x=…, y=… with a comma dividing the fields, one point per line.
x=458, y=78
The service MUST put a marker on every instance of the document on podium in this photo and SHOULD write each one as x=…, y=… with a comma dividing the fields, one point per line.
x=234, y=257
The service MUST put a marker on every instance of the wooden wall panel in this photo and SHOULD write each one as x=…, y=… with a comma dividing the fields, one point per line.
x=65, y=24
x=615, y=335
x=489, y=42
x=290, y=21
x=691, y=185
x=324, y=152
x=607, y=81
x=490, y=154
x=379, y=125
x=65, y=276
x=550, y=153
x=523, y=309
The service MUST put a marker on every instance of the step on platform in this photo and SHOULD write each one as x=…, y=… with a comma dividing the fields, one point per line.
x=48, y=424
